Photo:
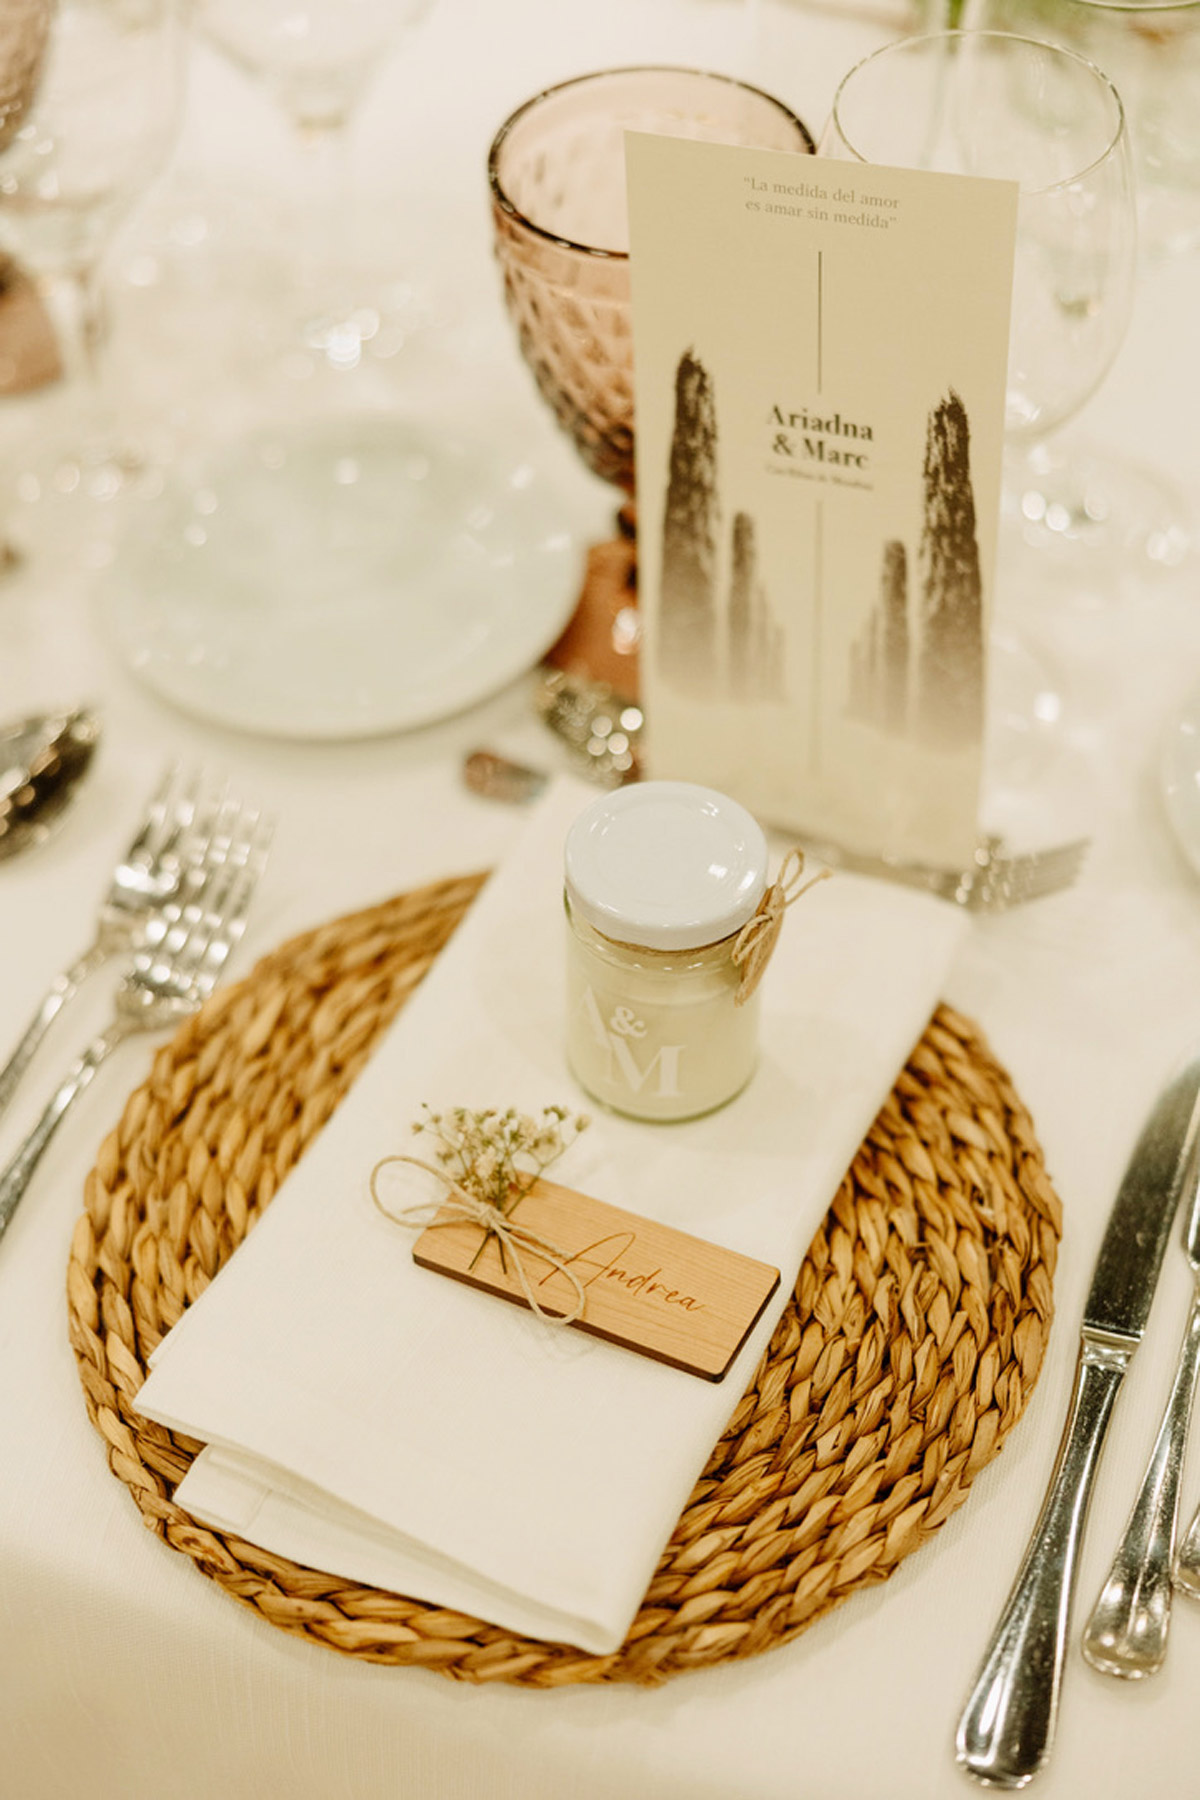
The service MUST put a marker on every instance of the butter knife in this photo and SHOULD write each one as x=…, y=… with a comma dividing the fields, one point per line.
x=1007, y=1727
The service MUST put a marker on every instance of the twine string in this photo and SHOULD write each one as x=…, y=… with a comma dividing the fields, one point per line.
x=460, y=1206
x=756, y=941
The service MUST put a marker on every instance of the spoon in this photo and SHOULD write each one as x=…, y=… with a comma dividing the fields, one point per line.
x=42, y=761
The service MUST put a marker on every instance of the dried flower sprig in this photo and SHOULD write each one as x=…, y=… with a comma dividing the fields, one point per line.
x=487, y=1161
x=497, y=1156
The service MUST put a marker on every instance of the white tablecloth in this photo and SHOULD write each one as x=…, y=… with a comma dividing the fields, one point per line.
x=124, y=1675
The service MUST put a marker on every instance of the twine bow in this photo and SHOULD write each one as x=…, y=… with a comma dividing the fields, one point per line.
x=756, y=941
x=459, y=1207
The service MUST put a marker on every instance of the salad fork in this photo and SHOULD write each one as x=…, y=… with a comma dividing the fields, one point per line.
x=173, y=834
x=171, y=973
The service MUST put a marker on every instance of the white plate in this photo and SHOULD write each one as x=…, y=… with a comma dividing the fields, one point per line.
x=342, y=579
x=1179, y=775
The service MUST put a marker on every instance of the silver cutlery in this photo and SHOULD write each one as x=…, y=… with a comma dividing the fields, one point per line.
x=496, y=777
x=1006, y=1730
x=172, y=971
x=994, y=882
x=1127, y=1632
x=601, y=728
x=174, y=834
x=1186, y=1571
x=42, y=761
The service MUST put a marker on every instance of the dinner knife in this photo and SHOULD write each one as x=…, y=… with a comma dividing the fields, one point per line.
x=1006, y=1730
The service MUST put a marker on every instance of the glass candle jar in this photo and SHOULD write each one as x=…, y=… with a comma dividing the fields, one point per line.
x=661, y=877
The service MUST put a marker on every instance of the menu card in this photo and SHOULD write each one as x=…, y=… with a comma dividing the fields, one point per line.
x=820, y=354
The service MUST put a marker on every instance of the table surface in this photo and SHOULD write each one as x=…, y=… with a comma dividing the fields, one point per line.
x=123, y=1673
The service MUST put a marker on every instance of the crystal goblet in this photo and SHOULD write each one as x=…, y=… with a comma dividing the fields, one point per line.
x=557, y=175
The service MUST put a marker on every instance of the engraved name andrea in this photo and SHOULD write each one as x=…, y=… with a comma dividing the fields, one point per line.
x=820, y=438
x=607, y=1260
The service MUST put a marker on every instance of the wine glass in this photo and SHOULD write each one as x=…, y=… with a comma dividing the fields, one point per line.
x=1150, y=49
x=1087, y=498
x=317, y=58
x=998, y=105
x=322, y=566
x=557, y=173
x=94, y=130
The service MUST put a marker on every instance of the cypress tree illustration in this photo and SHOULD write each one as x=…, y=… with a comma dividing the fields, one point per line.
x=771, y=639
x=878, y=691
x=949, y=697
x=742, y=569
x=893, y=605
x=858, y=701
x=754, y=636
x=872, y=683
x=687, y=608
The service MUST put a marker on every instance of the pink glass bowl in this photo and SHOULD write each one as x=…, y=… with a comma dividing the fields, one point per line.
x=557, y=174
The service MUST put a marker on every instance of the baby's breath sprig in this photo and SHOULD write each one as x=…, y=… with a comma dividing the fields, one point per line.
x=497, y=1156
x=487, y=1161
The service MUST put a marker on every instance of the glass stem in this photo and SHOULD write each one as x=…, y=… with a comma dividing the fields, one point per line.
x=323, y=277
x=77, y=302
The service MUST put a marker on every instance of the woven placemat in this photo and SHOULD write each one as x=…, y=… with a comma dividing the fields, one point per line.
x=906, y=1354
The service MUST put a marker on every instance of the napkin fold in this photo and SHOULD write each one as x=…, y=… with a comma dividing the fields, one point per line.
x=375, y=1420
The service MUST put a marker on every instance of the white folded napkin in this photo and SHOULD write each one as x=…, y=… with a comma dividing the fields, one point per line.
x=375, y=1420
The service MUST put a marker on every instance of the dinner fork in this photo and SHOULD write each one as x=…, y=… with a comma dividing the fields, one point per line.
x=1127, y=1632
x=172, y=972
x=993, y=882
x=173, y=834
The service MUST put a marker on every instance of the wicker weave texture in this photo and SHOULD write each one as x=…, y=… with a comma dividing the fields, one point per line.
x=907, y=1353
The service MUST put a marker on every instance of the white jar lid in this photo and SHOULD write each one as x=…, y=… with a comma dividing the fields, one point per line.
x=665, y=864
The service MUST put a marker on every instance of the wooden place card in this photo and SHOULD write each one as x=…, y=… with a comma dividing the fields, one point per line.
x=659, y=1292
